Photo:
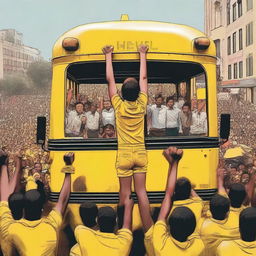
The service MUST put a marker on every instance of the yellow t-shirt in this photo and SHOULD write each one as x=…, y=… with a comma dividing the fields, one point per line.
x=93, y=242
x=28, y=237
x=236, y=248
x=233, y=217
x=165, y=244
x=75, y=250
x=130, y=119
x=148, y=241
x=213, y=232
x=195, y=204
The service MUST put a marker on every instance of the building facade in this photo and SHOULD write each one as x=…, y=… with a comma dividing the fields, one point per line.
x=231, y=24
x=14, y=55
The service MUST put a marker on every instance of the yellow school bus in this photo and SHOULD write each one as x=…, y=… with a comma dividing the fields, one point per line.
x=181, y=63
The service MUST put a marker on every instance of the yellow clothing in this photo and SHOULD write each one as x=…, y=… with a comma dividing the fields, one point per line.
x=93, y=242
x=28, y=237
x=75, y=250
x=195, y=204
x=165, y=244
x=233, y=217
x=148, y=241
x=213, y=232
x=130, y=120
x=236, y=248
x=31, y=183
x=131, y=160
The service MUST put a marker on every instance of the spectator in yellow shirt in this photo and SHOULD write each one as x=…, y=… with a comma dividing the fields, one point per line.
x=214, y=230
x=247, y=244
x=88, y=213
x=104, y=241
x=34, y=233
x=182, y=221
x=184, y=195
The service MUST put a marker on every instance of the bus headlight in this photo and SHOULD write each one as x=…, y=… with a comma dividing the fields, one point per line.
x=70, y=44
x=202, y=43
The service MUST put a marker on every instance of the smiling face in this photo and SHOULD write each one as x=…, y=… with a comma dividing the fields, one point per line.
x=79, y=108
x=170, y=103
x=107, y=105
x=159, y=102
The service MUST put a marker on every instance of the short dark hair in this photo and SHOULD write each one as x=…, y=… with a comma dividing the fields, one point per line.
x=182, y=189
x=33, y=205
x=79, y=102
x=182, y=223
x=88, y=212
x=186, y=104
x=16, y=205
x=109, y=126
x=219, y=207
x=159, y=96
x=169, y=98
x=247, y=224
x=237, y=194
x=130, y=89
x=107, y=219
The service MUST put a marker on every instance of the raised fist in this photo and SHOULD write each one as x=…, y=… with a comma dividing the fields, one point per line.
x=69, y=158
x=108, y=49
x=173, y=154
x=143, y=48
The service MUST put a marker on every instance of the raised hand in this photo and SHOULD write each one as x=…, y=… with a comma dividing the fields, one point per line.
x=108, y=49
x=172, y=154
x=143, y=48
x=69, y=158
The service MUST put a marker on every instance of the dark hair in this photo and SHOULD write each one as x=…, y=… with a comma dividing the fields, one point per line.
x=33, y=205
x=79, y=102
x=186, y=104
x=182, y=189
x=182, y=223
x=130, y=89
x=219, y=207
x=16, y=205
x=247, y=224
x=159, y=96
x=169, y=98
x=237, y=195
x=107, y=219
x=88, y=213
x=109, y=126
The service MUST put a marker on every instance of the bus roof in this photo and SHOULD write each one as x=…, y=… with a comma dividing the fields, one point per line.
x=126, y=35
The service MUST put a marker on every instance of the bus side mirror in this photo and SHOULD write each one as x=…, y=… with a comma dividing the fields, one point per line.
x=224, y=126
x=41, y=130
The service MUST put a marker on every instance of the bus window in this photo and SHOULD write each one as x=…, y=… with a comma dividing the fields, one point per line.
x=177, y=102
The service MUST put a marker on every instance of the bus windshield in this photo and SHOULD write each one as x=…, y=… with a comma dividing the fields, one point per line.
x=177, y=103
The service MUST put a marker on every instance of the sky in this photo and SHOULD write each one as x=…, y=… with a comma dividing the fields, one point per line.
x=43, y=21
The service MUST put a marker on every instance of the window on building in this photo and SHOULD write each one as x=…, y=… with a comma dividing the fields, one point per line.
x=234, y=12
x=240, y=69
x=249, y=65
x=235, y=71
x=229, y=45
x=228, y=12
x=249, y=34
x=229, y=72
x=249, y=4
x=217, y=44
x=217, y=14
x=240, y=8
x=240, y=39
x=234, y=42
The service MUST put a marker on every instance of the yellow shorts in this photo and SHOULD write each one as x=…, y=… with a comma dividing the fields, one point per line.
x=131, y=160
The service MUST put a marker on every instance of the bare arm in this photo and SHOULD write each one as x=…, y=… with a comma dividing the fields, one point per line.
x=66, y=187
x=17, y=175
x=128, y=207
x=108, y=50
x=173, y=155
x=143, y=68
x=250, y=190
x=220, y=180
x=5, y=192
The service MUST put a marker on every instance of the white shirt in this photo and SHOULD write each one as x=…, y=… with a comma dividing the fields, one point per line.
x=93, y=120
x=108, y=117
x=172, y=118
x=73, y=122
x=199, y=123
x=158, y=116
